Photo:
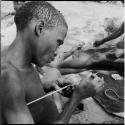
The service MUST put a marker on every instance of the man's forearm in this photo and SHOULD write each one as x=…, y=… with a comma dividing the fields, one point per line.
x=69, y=108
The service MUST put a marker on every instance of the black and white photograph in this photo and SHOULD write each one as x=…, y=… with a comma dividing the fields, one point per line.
x=62, y=62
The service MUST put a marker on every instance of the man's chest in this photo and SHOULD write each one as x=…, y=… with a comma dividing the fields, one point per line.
x=32, y=85
x=33, y=90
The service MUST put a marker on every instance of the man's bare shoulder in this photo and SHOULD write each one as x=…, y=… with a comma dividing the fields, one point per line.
x=7, y=70
x=10, y=81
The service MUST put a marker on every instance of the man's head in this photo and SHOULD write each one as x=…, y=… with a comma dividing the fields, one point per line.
x=44, y=28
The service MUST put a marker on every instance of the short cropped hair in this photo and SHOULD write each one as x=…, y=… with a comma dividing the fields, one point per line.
x=39, y=10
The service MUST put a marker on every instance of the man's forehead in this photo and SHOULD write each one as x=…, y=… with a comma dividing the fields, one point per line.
x=61, y=30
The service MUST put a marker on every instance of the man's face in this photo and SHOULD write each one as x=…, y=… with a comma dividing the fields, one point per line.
x=47, y=44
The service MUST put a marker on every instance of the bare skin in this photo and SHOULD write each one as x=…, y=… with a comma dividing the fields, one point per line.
x=18, y=72
x=21, y=83
x=30, y=88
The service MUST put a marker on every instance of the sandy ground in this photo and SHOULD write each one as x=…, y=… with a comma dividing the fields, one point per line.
x=86, y=22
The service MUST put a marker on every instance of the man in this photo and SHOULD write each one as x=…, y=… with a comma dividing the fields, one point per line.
x=40, y=30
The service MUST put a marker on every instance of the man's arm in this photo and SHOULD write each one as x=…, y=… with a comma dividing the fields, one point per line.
x=14, y=105
x=86, y=88
x=69, y=108
x=114, y=35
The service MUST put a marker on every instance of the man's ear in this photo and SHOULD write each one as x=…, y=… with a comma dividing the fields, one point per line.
x=39, y=28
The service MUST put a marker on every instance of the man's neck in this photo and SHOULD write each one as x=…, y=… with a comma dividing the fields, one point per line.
x=20, y=52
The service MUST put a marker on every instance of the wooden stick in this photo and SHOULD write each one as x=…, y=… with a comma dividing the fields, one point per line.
x=47, y=95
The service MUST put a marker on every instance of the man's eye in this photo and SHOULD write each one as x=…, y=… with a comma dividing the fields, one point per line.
x=59, y=42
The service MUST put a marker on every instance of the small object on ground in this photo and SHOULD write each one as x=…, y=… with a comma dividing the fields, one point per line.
x=116, y=77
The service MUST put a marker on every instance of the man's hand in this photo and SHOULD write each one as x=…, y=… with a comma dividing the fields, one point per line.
x=89, y=86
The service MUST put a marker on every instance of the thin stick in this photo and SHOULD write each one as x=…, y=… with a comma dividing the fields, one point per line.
x=47, y=95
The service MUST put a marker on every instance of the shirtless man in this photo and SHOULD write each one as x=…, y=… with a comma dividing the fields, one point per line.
x=40, y=30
